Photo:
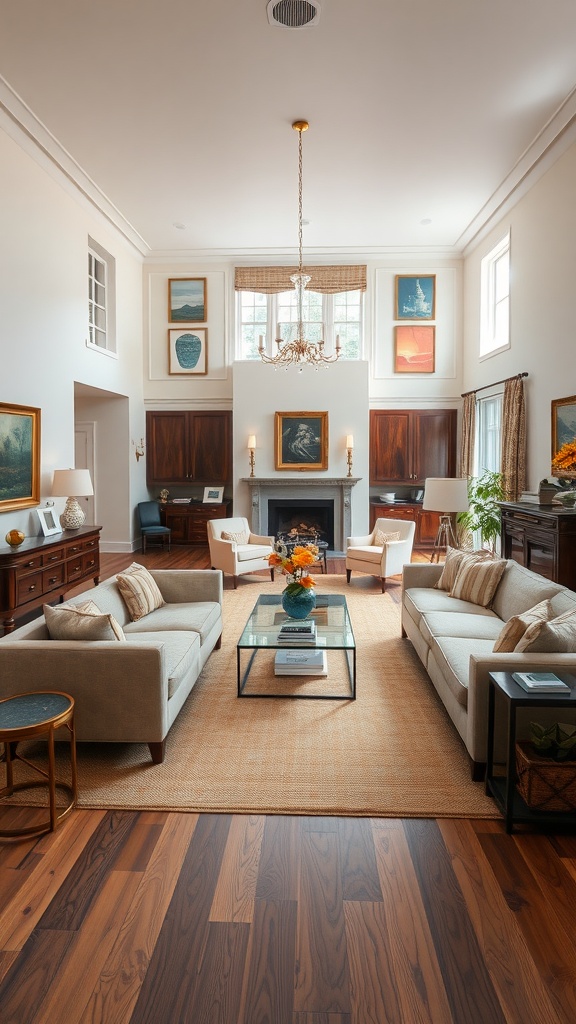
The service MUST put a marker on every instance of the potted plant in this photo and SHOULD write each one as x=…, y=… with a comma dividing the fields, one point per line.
x=483, y=512
x=546, y=767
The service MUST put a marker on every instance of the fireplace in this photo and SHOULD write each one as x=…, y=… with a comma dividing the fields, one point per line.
x=304, y=493
x=307, y=520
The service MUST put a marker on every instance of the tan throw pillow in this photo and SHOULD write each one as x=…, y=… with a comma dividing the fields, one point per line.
x=477, y=580
x=88, y=607
x=557, y=636
x=241, y=537
x=452, y=563
x=516, y=627
x=71, y=624
x=139, y=591
x=380, y=538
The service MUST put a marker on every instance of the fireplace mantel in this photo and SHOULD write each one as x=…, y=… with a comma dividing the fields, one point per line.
x=337, y=488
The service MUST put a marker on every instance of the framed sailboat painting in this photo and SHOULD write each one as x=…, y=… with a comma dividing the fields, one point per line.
x=415, y=297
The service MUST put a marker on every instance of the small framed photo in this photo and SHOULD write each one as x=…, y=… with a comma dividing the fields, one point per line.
x=564, y=438
x=48, y=521
x=187, y=302
x=213, y=495
x=301, y=440
x=414, y=349
x=188, y=351
x=415, y=297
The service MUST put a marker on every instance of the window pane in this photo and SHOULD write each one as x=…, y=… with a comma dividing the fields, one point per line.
x=501, y=277
x=99, y=271
x=501, y=322
x=100, y=317
x=100, y=294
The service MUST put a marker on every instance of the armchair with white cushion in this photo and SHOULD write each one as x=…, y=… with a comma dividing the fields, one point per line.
x=235, y=549
x=376, y=555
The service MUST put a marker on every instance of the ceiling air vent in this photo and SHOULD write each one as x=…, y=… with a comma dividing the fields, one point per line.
x=293, y=13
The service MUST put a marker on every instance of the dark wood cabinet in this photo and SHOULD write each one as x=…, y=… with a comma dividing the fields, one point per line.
x=541, y=538
x=43, y=568
x=427, y=523
x=188, y=522
x=185, y=447
x=408, y=445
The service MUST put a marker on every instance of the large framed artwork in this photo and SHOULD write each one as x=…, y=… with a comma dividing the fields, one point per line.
x=564, y=437
x=301, y=440
x=19, y=457
x=415, y=297
x=187, y=302
x=188, y=350
x=414, y=348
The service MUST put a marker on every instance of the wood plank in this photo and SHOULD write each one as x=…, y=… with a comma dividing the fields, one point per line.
x=374, y=990
x=522, y=992
x=236, y=886
x=218, y=990
x=279, y=873
x=469, y=989
x=25, y=985
x=269, y=991
x=135, y=852
x=322, y=975
x=168, y=986
x=553, y=879
x=118, y=987
x=360, y=879
x=321, y=1018
x=6, y=962
x=413, y=961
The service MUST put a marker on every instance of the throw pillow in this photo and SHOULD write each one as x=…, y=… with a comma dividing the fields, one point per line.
x=71, y=624
x=557, y=636
x=139, y=591
x=516, y=627
x=88, y=607
x=380, y=538
x=452, y=563
x=240, y=537
x=477, y=580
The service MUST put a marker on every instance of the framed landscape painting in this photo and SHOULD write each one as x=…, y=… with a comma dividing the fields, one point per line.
x=415, y=297
x=187, y=300
x=414, y=350
x=564, y=438
x=19, y=457
x=188, y=350
x=301, y=440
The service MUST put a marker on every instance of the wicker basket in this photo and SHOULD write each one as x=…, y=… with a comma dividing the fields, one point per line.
x=544, y=784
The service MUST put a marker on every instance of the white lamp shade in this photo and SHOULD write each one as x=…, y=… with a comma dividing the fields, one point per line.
x=251, y=441
x=71, y=482
x=446, y=494
x=349, y=440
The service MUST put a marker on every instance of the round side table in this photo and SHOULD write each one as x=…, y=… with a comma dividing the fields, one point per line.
x=28, y=716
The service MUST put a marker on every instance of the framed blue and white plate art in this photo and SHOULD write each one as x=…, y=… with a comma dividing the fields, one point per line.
x=415, y=296
x=188, y=351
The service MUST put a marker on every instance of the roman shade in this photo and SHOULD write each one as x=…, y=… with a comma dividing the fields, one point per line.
x=327, y=280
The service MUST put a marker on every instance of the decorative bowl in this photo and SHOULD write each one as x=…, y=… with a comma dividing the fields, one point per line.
x=391, y=497
x=566, y=498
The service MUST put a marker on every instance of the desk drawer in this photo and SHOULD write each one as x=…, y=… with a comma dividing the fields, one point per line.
x=29, y=587
x=53, y=556
x=53, y=577
x=74, y=569
x=90, y=562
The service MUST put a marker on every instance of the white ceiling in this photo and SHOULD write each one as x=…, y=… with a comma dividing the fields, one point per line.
x=423, y=114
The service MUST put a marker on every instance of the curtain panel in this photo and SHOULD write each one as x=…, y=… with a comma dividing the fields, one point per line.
x=327, y=280
x=468, y=435
x=513, y=439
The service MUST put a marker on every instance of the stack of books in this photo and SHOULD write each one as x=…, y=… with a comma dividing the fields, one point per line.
x=300, y=663
x=540, y=682
x=297, y=634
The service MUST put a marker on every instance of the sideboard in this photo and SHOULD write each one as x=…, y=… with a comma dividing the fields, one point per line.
x=42, y=569
x=541, y=538
x=188, y=522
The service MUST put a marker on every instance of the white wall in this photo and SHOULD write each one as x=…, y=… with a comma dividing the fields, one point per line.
x=43, y=327
x=543, y=274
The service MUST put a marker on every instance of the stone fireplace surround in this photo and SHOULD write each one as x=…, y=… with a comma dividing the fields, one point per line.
x=336, y=488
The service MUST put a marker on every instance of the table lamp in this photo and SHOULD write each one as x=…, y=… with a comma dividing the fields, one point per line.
x=445, y=495
x=72, y=483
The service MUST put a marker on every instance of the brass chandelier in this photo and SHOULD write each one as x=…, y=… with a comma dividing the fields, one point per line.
x=300, y=351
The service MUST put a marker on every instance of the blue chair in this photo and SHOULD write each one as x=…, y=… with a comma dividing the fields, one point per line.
x=151, y=524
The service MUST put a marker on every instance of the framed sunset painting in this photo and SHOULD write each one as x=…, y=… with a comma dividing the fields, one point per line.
x=414, y=348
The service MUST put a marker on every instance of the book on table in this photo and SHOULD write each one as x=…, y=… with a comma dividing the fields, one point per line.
x=540, y=682
x=302, y=633
x=301, y=663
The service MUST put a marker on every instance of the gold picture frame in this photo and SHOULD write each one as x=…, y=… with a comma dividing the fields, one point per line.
x=301, y=440
x=563, y=432
x=19, y=457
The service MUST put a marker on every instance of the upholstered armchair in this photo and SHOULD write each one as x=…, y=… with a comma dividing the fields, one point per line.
x=377, y=555
x=235, y=549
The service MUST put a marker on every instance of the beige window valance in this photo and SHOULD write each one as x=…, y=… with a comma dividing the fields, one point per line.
x=328, y=280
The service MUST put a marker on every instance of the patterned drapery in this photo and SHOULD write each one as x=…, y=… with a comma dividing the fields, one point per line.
x=468, y=427
x=513, y=439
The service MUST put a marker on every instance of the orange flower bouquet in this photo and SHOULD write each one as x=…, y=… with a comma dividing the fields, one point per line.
x=295, y=565
x=565, y=459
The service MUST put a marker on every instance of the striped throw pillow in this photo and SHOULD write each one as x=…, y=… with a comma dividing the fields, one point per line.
x=516, y=627
x=477, y=581
x=453, y=561
x=139, y=591
x=558, y=636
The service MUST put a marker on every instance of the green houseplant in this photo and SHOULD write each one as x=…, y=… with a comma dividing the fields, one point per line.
x=483, y=512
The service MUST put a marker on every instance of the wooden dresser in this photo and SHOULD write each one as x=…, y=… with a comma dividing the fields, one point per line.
x=43, y=568
x=541, y=538
x=188, y=522
x=427, y=523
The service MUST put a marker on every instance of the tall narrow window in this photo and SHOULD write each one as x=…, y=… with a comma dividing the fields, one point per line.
x=489, y=436
x=101, y=299
x=495, y=299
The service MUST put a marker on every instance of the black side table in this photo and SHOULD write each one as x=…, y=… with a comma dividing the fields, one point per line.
x=503, y=787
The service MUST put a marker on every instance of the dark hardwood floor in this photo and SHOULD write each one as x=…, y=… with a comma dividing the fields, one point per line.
x=169, y=918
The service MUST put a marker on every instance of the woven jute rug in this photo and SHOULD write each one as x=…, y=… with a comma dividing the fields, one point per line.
x=392, y=753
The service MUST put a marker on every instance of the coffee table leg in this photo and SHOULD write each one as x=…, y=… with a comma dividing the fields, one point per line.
x=242, y=684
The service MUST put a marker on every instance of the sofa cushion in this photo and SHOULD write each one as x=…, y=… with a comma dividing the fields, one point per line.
x=453, y=654
x=452, y=563
x=199, y=617
x=461, y=624
x=365, y=553
x=72, y=624
x=558, y=636
x=247, y=552
x=381, y=538
x=520, y=589
x=477, y=580
x=107, y=598
x=419, y=601
x=182, y=652
x=239, y=536
x=139, y=590
x=516, y=627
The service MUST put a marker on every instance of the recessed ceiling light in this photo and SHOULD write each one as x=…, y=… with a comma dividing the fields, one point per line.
x=181, y=227
x=427, y=220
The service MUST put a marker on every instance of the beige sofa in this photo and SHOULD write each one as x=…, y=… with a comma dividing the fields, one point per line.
x=125, y=691
x=454, y=640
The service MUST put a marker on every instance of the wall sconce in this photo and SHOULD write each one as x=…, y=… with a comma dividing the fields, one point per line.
x=251, y=446
x=349, y=450
x=139, y=449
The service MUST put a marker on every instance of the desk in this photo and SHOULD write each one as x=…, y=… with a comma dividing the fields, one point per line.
x=29, y=716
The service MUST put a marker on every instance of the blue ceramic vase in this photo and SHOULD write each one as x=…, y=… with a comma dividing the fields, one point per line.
x=299, y=605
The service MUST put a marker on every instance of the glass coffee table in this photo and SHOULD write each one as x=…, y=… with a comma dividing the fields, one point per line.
x=260, y=634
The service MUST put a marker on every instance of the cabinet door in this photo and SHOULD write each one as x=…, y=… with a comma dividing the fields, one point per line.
x=167, y=453
x=211, y=434
x=433, y=444
x=390, y=447
x=427, y=528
